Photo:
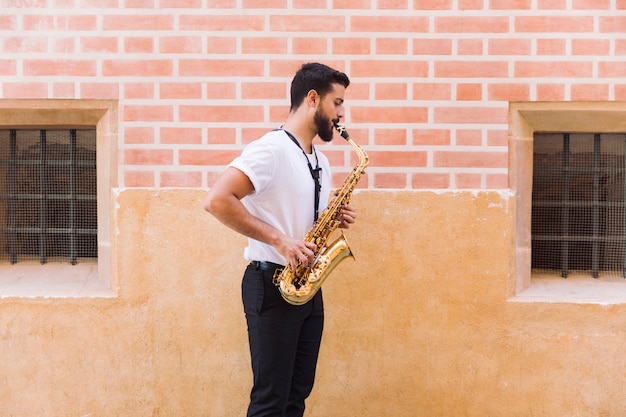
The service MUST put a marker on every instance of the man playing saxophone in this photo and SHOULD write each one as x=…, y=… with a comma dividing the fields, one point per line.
x=272, y=193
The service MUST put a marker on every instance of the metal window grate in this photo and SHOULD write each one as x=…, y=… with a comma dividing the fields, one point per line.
x=578, y=206
x=48, y=203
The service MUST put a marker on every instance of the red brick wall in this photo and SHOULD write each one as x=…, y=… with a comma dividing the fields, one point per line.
x=197, y=79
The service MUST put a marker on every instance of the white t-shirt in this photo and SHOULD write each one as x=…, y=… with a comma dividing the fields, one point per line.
x=283, y=193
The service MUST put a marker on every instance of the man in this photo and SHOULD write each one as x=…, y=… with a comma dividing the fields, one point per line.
x=269, y=195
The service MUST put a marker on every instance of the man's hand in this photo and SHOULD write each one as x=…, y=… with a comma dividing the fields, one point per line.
x=347, y=216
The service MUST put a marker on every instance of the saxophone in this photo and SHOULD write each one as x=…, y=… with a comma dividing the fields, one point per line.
x=299, y=286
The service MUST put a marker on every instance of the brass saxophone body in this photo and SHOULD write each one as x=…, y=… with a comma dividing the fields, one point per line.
x=299, y=286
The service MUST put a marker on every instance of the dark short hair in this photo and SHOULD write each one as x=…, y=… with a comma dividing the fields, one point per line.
x=315, y=76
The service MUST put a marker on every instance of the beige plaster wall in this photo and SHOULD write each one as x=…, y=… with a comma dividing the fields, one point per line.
x=418, y=325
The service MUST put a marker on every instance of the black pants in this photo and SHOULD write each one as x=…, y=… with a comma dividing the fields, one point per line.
x=284, y=346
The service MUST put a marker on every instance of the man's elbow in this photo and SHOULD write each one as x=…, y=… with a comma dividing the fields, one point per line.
x=209, y=203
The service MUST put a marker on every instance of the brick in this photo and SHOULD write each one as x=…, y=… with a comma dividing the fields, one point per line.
x=400, y=158
x=138, y=22
x=431, y=137
x=221, y=113
x=264, y=45
x=183, y=179
x=498, y=137
x=148, y=156
x=63, y=45
x=467, y=181
x=139, y=4
x=344, y=4
x=510, y=5
x=471, y=115
x=221, y=45
x=139, y=45
x=469, y=137
x=393, y=114
x=8, y=67
x=406, y=24
x=24, y=90
x=305, y=23
x=180, y=44
x=550, y=92
x=620, y=46
x=435, y=46
x=278, y=114
x=152, y=113
x=99, y=91
x=471, y=69
x=508, y=92
x=620, y=92
x=590, y=92
x=591, y=4
x=8, y=22
x=221, y=135
x=509, y=46
x=474, y=159
x=391, y=4
x=551, y=4
x=496, y=181
x=221, y=67
x=60, y=67
x=612, y=24
x=390, y=137
x=535, y=69
x=182, y=4
x=591, y=47
x=470, y=46
x=553, y=24
x=217, y=23
x=203, y=157
x=139, y=90
x=430, y=180
x=351, y=46
x=138, y=178
x=551, y=46
x=390, y=180
x=469, y=91
x=432, y=91
x=180, y=135
x=180, y=90
x=471, y=24
x=391, y=68
x=139, y=135
x=309, y=45
x=63, y=90
x=391, y=46
x=98, y=44
x=390, y=91
x=264, y=90
x=612, y=69
x=221, y=90
x=137, y=67
x=264, y=4
x=21, y=44
x=432, y=4
x=620, y=4
x=470, y=4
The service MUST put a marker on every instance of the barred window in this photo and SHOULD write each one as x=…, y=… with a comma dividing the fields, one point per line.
x=578, y=220
x=48, y=196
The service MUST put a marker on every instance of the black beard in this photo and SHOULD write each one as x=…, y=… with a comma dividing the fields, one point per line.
x=323, y=126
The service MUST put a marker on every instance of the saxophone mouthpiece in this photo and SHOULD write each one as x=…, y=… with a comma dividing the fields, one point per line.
x=342, y=131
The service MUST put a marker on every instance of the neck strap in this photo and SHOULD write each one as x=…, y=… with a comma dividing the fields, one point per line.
x=315, y=174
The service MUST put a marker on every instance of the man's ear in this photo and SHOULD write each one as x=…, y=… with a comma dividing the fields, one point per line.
x=312, y=98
